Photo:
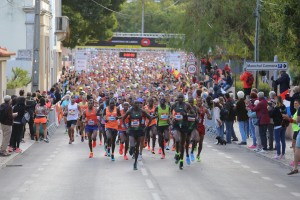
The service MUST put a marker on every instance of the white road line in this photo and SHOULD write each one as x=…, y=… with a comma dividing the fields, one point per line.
x=35, y=175
x=149, y=184
x=255, y=172
x=155, y=196
x=296, y=194
x=236, y=161
x=45, y=164
x=209, y=146
x=215, y=150
x=280, y=185
x=221, y=153
x=245, y=166
x=40, y=169
x=49, y=159
x=144, y=172
x=266, y=178
x=228, y=157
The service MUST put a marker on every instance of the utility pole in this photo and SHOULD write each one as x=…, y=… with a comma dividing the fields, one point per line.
x=143, y=16
x=257, y=29
x=36, y=47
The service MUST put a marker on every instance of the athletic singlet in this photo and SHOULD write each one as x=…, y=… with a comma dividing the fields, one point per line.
x=180, y=120
x=163, y=116
x=73, y=112
x=83, y=107
x=111, y=118
x=201, y=116
x=135, y=120
x=191, y=120
x=91, y=117
x=121, y=126
x=151, y=113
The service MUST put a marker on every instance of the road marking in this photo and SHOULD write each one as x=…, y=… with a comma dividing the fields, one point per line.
x=209, y=146
x=221, y=153
x=49, y=159
x=266, y=178
x=55, y=152
x=35, y=175
x=245, y=166
x=227, y=157
x=295, y=194
x=236, y=161
x=144, y=172
x=149, y=184
x=155, y=196
x=40, y=169
x=45, y=164
x=255, y=172
x=280, y=185
x=28, y=182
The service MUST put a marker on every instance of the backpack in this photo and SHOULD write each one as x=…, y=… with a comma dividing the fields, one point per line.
x=224, y=114
x=250, y=79
x=3, y=114
x=25, y=118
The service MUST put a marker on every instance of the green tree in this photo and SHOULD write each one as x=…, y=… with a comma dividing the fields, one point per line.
x=20, y=78
x=89, y=20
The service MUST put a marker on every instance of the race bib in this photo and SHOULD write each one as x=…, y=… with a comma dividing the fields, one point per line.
x=191, y=119
x=164, y=117
x=91, y=123
x=135, y=123
x=111, y=118
x=71, y=112
x=143, y=121
x=178, y=117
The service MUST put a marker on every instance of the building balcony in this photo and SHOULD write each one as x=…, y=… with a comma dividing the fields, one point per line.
x=61, y=27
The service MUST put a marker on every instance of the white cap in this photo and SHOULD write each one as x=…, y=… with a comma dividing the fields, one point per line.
x=256, y=102
x=216, y=100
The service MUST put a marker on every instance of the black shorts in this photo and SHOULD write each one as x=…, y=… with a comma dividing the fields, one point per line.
x=162, y=129
x=136, y=133
x=295, y=135
x=71, y=122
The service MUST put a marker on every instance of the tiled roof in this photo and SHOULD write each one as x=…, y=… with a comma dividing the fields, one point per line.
x=5, y=53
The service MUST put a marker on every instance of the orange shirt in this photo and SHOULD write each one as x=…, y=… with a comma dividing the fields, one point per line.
x=111, y=118
x=91, y=117
x=151, y=113
x=121, y=126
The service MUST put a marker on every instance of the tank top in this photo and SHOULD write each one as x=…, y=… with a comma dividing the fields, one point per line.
x=151, y=113
x=180, y=120
x=83, y=107
x=201, y=116
x=191, y=120
x=121, y=126
x=91, y=117
x=111, y=118
x=163, y=115
x=135, y=120
x=73, y=112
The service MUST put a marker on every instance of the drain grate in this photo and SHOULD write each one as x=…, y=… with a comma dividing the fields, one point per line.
x=14, y=165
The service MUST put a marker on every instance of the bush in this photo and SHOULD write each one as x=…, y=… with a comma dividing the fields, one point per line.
x=20, y=78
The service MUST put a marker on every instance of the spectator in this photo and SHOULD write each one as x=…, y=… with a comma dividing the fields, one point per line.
x=270, y=136
x=242, y=117
x=229, y=107
x=6, y=124
x=228, y=81
x=263, y=119
x=295, y=96
x=216, y=113
x=284, y=83
x=30, y=107
x=248, y=79
x=41, y=112
x=57, y=95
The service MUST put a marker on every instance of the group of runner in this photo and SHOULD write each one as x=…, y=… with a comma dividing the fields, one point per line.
x=135, y=103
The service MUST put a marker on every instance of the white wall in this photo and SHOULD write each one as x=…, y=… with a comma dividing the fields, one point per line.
x=13, y=28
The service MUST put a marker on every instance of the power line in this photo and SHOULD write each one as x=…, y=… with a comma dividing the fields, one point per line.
x=109, y=9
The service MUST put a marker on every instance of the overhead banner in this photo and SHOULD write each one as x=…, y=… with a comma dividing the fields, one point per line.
x=174, y=60
x=81, y=60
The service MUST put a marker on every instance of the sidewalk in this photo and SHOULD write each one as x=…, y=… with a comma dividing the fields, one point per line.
x=289, y=154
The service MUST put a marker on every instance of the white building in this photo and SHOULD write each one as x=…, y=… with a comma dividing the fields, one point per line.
x=17, y=34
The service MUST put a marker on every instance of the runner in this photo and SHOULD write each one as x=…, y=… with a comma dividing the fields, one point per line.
x=122, y=128
x=101, y=109
x=72, y=111
x=162, y=112
x=90, y=117
x=180, y=112
x=111, y=115
x=136, y=134
x=151, y=132
x=83, y=106
x=198, y=136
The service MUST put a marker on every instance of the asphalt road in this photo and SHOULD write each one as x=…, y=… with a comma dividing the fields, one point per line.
x=59, y=171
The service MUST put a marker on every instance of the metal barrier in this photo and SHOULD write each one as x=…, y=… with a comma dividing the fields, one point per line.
x=51, y=126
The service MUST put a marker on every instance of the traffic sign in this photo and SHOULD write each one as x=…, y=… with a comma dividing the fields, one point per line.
x=191, y=57
x=192, y=69
x=266, y=66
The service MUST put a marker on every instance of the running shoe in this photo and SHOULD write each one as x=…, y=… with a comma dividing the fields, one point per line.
x=159, y=151
x=173, y=148
x=46, y=140
x=125, y=157
x=112, y=157
x=140, y=157
x=176, y=158
x=152, y=151
x=167, y=148
x=188, y=161
x=91, y=155
x=108, y=152
x=252, y=147
x=198, y=159
x=121, y=149
x=134, y=166
x=181, y=164
x=163, y=156
x=18, y=150
x=148, y=148
x=192, y=157
x=282, y=156
x=94, y=144
x=100, y=143
x=82, y=139
x=131, y=149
